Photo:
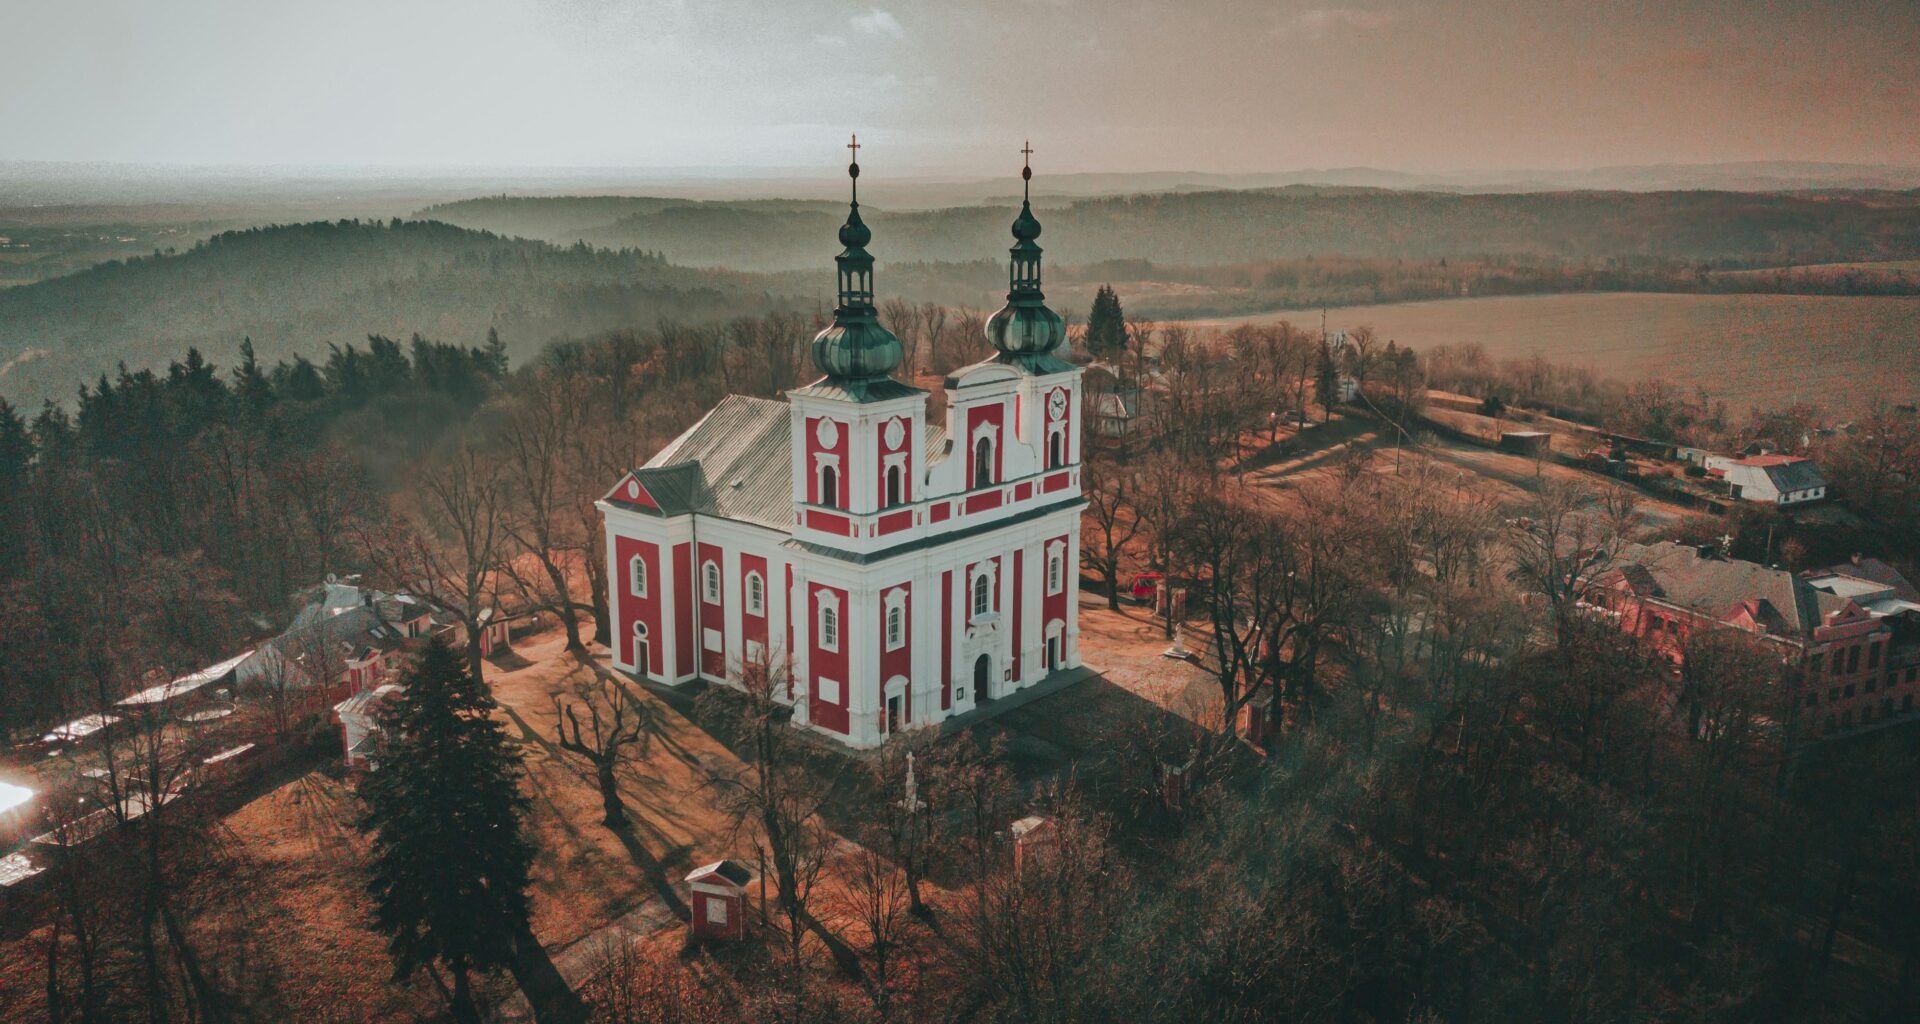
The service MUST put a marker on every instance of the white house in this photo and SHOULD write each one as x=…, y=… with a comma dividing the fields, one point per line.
x=1770, y=479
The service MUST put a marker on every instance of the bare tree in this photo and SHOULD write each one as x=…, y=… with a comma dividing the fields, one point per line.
x=537, y=435
x=1110, y=522
x=613, y=724
x=447, y=547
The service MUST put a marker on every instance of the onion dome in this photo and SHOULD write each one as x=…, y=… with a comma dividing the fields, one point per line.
x=1025, y=330
x=855, y=346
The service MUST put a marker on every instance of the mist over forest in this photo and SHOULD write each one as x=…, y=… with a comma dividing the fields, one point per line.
x=541, y=268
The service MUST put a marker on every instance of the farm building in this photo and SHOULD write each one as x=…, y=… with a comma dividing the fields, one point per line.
x=1770, y=479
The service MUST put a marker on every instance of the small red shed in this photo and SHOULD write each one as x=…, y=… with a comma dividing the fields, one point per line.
x=1033, y=840
x=720, y=900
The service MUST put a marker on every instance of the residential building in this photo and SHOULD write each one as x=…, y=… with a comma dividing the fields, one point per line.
x=1847, y=664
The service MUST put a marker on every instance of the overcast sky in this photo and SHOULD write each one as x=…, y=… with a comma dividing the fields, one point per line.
x=948, y=86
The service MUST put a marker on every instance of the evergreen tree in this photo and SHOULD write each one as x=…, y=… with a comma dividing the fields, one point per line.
x=496, y=352
x=1326, y=381
x=251, y=390
x=450, y=854
x=1106, y=325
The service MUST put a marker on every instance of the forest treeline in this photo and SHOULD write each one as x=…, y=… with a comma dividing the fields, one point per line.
x=1728, y=229
x=297, y=288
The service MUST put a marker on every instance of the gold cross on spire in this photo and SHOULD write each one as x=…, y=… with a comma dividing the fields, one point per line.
x=853, y=165
x=1026, y=153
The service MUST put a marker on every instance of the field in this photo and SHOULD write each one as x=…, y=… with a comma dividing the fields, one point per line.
x=1838, y=352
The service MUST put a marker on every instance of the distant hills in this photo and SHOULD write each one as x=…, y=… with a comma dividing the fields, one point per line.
x=1224, y=226
x=299, y=288
x=539, y=268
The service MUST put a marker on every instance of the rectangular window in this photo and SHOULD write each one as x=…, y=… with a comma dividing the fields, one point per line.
x=756, y=595
x=1839, y=662
x=1053, y=574
x=1814, y=664
x=716, y=910
x=1873, y=655
x=1833, y=694
x=1853, y=658
x=1849, y=689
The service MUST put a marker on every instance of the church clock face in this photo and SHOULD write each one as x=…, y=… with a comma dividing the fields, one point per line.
x=1057, y=404
x=827, y=434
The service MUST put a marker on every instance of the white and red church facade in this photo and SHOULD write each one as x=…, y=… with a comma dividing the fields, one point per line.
x=886, y=574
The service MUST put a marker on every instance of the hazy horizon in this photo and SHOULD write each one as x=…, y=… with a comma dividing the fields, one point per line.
x=736, y=88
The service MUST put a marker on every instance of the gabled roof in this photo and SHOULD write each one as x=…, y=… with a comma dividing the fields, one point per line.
x=727, y=871
x=1779, y=602
x=734, y=463
x=1789, y=475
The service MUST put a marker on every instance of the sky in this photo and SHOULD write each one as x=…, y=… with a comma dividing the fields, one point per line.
x=953, y=87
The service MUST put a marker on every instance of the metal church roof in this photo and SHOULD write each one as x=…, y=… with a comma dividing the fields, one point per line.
x=735, y=463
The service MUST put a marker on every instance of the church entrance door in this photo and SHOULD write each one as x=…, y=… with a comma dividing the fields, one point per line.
x=893, y=714
x=982, y=672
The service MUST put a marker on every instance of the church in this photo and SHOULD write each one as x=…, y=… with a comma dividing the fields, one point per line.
x=881, y=572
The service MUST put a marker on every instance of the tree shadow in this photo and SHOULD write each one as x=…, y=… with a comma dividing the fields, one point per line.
x=653, y=870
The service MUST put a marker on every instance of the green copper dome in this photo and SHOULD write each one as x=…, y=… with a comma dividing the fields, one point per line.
x=856, y=348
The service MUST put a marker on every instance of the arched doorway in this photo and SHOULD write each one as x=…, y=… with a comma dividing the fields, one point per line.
x=982, y=672
x=642, y=652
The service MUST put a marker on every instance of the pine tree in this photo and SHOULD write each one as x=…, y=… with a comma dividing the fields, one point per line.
x=444, y=807
x=251, y=389
x=496, y=354
x=1106, y=325
x=1326, y=383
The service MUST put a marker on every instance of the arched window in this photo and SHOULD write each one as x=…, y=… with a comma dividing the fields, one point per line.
x=710, y=582
x=829, y=627
x=983, y=462
x=829, y=487
x=893, y=485
x=896, y=627
x=637, y=576
x=1057, y=449
x=1053, y=574
x=756, y=594
x=982, y=595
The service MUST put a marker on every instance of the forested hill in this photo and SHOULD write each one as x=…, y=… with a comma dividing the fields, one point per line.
x=1729, y=229
x=299, y=288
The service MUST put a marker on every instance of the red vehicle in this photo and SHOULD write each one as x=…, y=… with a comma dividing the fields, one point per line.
x=1145, y=585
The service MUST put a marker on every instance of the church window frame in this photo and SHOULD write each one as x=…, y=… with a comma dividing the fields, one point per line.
x=756, y=594
x=827, y=483
x=980, y=603
x=895, y=491
x=637, y=575
x=710, y=581
x=829, y=622
x=1057, y=448
x=895, y=618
